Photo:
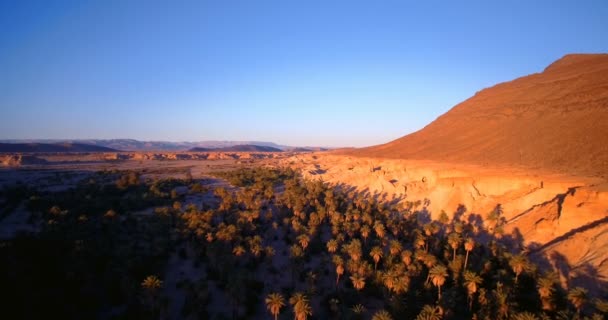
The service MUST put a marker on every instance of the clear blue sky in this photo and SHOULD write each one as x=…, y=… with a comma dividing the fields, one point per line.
x=331, y=73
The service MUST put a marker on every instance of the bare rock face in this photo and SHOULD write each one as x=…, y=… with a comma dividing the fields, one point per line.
x=19, y=160
x=560, y=219
x=554, y=120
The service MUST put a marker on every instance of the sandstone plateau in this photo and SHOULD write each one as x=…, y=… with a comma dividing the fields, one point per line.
x=536, y=146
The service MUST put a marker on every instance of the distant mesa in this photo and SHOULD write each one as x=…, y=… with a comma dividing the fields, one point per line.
x=307, y=149
x=239, y=148
x=51, y=147
x=17, y=160
x=299, y=149
x=556, y=120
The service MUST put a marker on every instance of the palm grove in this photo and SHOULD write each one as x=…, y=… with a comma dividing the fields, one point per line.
x=278, y=246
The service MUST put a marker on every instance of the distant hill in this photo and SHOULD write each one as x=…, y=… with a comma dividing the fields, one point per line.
x=556, y=120
x=136, y=145
x=52, y=147
x=240, y=148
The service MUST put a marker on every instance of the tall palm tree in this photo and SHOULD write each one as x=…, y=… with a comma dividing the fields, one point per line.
x=382, y=315
x=454, y=240
x=365, y=231
x=376, y=253
x=420, y=242
x=469, y=245
x=518, y=264
x=151, y=286
x=502, y=301
x=546, y=288
x=456, y=267
x=339, y=262
x=438, y=274
x=429, y=313
x=472, y=281
x=578, y=298
x=354, y=249
x=301, y=306
x=274, y=303
x=358, y=281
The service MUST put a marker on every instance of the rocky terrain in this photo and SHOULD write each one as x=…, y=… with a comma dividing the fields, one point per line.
x=534, y=146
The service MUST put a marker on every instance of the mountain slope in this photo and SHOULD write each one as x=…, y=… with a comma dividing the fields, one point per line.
x=137, y=145
x=555, y=120
x=52, y=147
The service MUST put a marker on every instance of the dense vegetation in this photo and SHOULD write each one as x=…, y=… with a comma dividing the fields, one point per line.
x=272, y=245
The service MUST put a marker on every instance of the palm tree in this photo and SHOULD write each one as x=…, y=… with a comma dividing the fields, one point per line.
x=578, y=298
x=601, y=305
x=358, y=311
x=429, y=313
x=454, y=240
x=546, y=287
x=389, y=278
x=420, y=242
x=274, y=303
x=376, y=253
x=502, y=301
x=332, y=246
x=358, y=281
x=151, y=283
x=406, y=257
x=303, y=240
x=471, y=281
x=365, y=231
x=456, y=267
x=469, y=245
x=238, y=251
x=518, y=264
x=339, y=262
x=354, y=249
x=395, y=247
x=382, y=315
x=270, y=252
x=379, y=229
x=438, y=275
x=301, y=306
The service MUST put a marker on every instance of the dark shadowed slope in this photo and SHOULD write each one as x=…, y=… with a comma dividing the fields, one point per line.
x=52, y=147
x=554, y=120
